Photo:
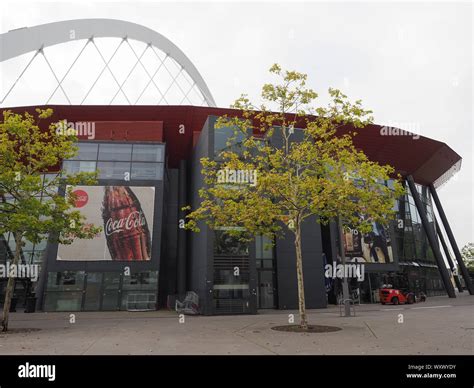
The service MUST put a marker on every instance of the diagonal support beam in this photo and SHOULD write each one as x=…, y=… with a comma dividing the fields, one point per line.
x=448, y=286
x=171, y=84
x=55, y=77
x=448, y=256
x=67, y=72
x=452, y=240
x=127, y=77
x=147, y=73
x=106, y=67
x=186, y=95
x=21, y=75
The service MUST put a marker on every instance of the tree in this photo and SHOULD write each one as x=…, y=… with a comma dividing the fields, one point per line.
x=467, y=254
x=28, y=153
x=321, y=174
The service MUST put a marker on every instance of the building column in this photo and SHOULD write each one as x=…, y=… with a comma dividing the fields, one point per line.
x=181, y=262
x=448, y=256
x=452, y=240
x=431, y=238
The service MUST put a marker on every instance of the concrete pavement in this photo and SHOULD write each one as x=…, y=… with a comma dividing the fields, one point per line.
x=439, y=326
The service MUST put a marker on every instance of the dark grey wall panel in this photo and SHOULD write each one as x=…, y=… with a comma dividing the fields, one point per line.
x=200, y=245
x=168, y=269
x=313, y=274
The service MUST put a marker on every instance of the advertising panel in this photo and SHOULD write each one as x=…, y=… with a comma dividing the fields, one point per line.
x=372, y=247
x=126, y=216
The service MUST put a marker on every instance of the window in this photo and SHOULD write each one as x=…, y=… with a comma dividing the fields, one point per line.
x=66, y=281
x=227, y=245
x=73, y=167
x=115, y=152
x=147, y=171
x=264, y=248
x=141, y=281
x=115, y=160
x=87, y=151
x=113, y=170
x=147, y=153
x=225, y=134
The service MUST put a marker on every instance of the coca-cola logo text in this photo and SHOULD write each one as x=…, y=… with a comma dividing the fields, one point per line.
x=132, y=221
x=81, y=198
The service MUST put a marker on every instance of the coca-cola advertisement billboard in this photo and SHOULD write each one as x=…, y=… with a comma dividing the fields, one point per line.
x=126, y=216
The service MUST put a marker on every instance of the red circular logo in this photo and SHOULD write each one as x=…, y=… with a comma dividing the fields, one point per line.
x=81, y=198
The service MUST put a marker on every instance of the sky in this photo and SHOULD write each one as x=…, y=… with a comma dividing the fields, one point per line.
x=411, y=63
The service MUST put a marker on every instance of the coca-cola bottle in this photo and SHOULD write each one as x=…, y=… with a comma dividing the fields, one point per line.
x=125, y=226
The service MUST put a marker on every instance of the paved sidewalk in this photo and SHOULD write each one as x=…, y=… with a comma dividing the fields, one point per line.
x=439, y=326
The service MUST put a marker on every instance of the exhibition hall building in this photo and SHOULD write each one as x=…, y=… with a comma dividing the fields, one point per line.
x=148, y=162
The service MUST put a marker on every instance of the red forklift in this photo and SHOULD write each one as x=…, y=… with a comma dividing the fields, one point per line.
x=388, y=294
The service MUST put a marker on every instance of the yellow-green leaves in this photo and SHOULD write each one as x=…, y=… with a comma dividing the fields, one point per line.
x=321, y=173
x=29, y=204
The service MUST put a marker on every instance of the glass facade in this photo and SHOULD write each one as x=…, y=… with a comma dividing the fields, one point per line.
x=227, y=139
x=91, y=291
x=418, y=270
x=266, y=273
x=412, y=242
x=131, y=161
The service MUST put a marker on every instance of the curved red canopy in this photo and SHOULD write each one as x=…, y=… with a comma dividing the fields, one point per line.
x=428, y=160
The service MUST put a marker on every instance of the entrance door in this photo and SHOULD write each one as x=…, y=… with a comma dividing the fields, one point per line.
x=111, y=291
x=93, y=291
x=266, y=289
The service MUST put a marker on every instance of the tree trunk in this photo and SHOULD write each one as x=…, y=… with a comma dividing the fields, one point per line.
x=345, y=285
x=11, y=284
x=299, y=274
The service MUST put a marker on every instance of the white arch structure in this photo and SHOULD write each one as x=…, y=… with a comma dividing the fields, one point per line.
x=35, y=39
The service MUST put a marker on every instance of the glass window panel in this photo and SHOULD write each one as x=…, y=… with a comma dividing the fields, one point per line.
x=48, y=178
x=110, y=300
x=147, y=171
x=87, y=151
x=41, y=245
x=27, y=245
x=148, y=153
x=66, y=281
x=258, y=247
x=141, y=281
x=267, y=248
x=227, y=245
x=63, y=301
x=93, y=290
x=28, y=257
x=115, y=152
x=414, y=214
x=113, y=170
x=138, y=300
x=111, y=280
x=222, y=136
x=37, y=257
x=73, y=166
